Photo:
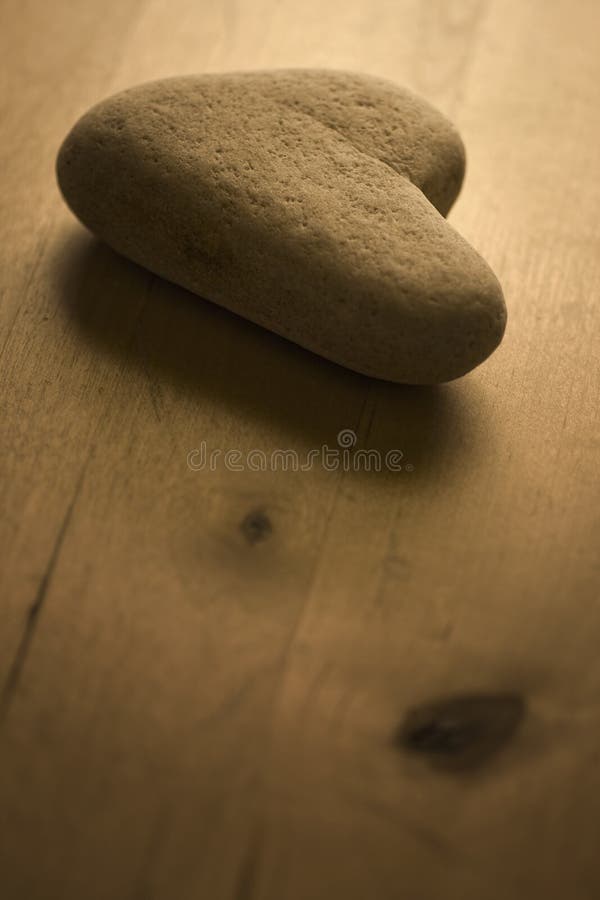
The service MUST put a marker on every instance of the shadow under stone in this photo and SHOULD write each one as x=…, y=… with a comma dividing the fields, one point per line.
x=220, y=359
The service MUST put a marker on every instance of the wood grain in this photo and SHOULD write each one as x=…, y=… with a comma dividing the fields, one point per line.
x=202, y=672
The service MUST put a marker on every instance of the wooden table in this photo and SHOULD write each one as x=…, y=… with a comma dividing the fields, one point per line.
x=203, y=672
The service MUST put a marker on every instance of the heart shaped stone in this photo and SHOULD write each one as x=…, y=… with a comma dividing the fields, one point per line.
x=310, y=201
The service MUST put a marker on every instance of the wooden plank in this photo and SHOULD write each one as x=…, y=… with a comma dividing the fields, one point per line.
x=203, y=671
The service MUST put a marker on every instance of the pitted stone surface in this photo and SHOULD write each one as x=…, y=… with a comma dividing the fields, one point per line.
x=310, y=201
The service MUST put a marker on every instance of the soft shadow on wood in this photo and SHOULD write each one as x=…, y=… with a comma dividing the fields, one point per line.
x=225, y=362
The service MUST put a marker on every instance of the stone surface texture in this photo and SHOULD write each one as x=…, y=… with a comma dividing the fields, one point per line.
x=310, y=201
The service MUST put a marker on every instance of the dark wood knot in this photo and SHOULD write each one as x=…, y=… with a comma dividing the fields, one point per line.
x=256, y=526
x=461, y=732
